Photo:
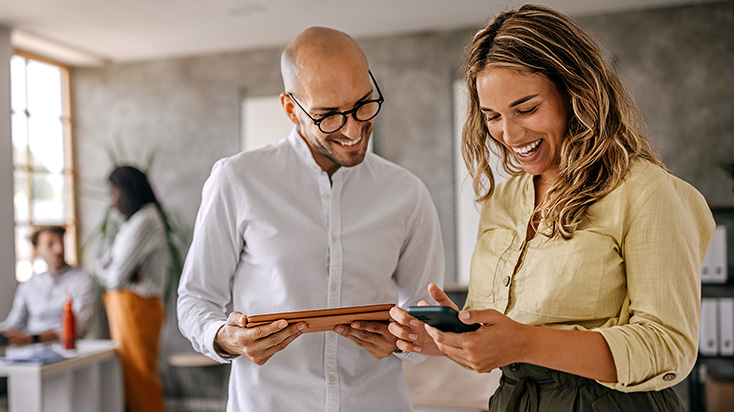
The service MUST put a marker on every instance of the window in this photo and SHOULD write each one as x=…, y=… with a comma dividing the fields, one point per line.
x=42, y=157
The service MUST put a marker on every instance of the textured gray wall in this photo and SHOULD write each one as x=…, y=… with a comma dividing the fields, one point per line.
x=677, y=62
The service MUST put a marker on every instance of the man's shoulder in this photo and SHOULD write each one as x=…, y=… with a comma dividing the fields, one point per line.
x=78, y=272
x=385, y=169
x=257, y=160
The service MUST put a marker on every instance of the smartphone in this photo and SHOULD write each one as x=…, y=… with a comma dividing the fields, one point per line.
x=443, y=318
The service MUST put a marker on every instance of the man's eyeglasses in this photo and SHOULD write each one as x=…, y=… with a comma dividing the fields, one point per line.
x=363, y=112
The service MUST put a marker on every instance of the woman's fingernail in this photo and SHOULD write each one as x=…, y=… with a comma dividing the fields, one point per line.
x=302, y=327
x=416, y=349
x=465, y=314
x=412, y=336
x=414, y=323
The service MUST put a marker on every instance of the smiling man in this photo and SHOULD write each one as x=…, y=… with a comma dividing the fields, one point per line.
x=313, y=221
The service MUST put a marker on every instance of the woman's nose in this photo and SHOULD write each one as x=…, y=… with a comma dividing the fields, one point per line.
x=512, y=132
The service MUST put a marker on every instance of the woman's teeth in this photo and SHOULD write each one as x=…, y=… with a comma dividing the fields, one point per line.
x=351, y=142
x=526, y=151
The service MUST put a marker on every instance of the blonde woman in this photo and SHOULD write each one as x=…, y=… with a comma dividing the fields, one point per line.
x=585, y=275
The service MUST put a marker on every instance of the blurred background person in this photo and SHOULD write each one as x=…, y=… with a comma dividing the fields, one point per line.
x=133, y=264
x=38, y=305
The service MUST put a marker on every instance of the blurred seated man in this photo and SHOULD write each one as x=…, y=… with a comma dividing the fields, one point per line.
x=38, y=305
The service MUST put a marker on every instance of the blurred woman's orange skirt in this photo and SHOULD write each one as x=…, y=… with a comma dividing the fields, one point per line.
x=135, y=325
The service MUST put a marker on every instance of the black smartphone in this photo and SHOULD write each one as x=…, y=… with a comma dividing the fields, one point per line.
x=443, y=318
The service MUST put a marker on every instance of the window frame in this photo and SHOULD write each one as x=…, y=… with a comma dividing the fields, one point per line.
x=69, y=172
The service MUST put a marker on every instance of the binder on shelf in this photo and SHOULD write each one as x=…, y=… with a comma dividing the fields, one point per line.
x=714, y=264
x=726, y=326
x=709, y=343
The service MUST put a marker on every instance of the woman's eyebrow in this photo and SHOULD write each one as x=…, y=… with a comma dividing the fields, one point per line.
x=513, y=104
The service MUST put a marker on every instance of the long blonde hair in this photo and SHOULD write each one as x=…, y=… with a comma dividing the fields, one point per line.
x=603, y=134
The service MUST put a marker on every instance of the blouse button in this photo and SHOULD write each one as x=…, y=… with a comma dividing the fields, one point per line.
x=326, y=195
x=506, y=281
x=668, y=376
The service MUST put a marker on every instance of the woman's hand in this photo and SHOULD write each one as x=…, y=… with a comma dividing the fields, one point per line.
x=498, y=342
x=411, y=333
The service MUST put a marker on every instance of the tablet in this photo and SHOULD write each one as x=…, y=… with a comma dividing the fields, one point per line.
x=321, y=320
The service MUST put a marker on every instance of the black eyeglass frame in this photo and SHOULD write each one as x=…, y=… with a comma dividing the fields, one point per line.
x=344, y=115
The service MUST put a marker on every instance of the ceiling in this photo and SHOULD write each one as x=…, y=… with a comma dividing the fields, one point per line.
x=95, y=32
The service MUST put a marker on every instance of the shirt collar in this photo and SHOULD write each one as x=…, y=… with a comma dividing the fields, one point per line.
x=304, y=152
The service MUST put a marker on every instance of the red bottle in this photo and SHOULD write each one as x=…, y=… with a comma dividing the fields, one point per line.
x=68, y=336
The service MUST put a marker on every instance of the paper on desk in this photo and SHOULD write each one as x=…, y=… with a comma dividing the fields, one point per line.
x=34, y=353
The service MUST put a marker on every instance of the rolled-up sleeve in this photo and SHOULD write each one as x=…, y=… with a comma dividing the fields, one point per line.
x=663, y=249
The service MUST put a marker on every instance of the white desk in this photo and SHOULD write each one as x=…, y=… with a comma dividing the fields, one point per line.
x=89, y=382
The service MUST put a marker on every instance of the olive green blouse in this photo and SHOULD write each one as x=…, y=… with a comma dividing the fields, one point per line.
x=631, y=271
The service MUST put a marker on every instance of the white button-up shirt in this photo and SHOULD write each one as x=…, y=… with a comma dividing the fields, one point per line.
x=38, y=305
x=273, y=234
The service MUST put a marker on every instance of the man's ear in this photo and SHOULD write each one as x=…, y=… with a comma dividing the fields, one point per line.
x=289, y=107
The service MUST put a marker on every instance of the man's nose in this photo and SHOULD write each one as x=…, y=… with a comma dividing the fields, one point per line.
x=352, y=128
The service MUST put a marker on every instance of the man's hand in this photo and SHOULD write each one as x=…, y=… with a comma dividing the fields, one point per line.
x=373, y=336
x=257, y=344
x=17, y=338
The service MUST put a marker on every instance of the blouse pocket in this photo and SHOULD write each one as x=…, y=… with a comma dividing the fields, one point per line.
x=492, y=247
x=578, y=279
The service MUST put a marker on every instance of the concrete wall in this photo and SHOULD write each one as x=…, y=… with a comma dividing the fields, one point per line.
x=7, y=232
x=677, y=62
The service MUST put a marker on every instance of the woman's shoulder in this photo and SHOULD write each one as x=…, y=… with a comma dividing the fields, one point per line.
x=645, y=177
x=148, y=216
x=647, y=182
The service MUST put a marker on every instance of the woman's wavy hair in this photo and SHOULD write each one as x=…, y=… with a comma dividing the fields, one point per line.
x=603, y=134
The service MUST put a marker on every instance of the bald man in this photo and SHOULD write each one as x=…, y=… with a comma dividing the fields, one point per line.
x=313, y=221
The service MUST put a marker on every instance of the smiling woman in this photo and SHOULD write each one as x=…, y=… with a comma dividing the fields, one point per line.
x=42, y=156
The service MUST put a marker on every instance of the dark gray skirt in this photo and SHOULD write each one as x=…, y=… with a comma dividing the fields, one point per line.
x=530, y=388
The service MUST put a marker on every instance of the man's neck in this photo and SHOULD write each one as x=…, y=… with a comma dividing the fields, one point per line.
x=55, y=271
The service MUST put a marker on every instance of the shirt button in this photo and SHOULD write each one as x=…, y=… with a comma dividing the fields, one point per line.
x=332, y=379
x=326, y=195
x=668, y=376
x=332, y=334
x=333, y=286
x=506, y=281
x=316, y=168
x=333, y=238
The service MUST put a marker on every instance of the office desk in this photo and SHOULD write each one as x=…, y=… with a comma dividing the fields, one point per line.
x=88, y=382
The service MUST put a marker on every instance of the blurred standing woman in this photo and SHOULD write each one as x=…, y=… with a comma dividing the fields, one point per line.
x=133, y=268
x=586, y=270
